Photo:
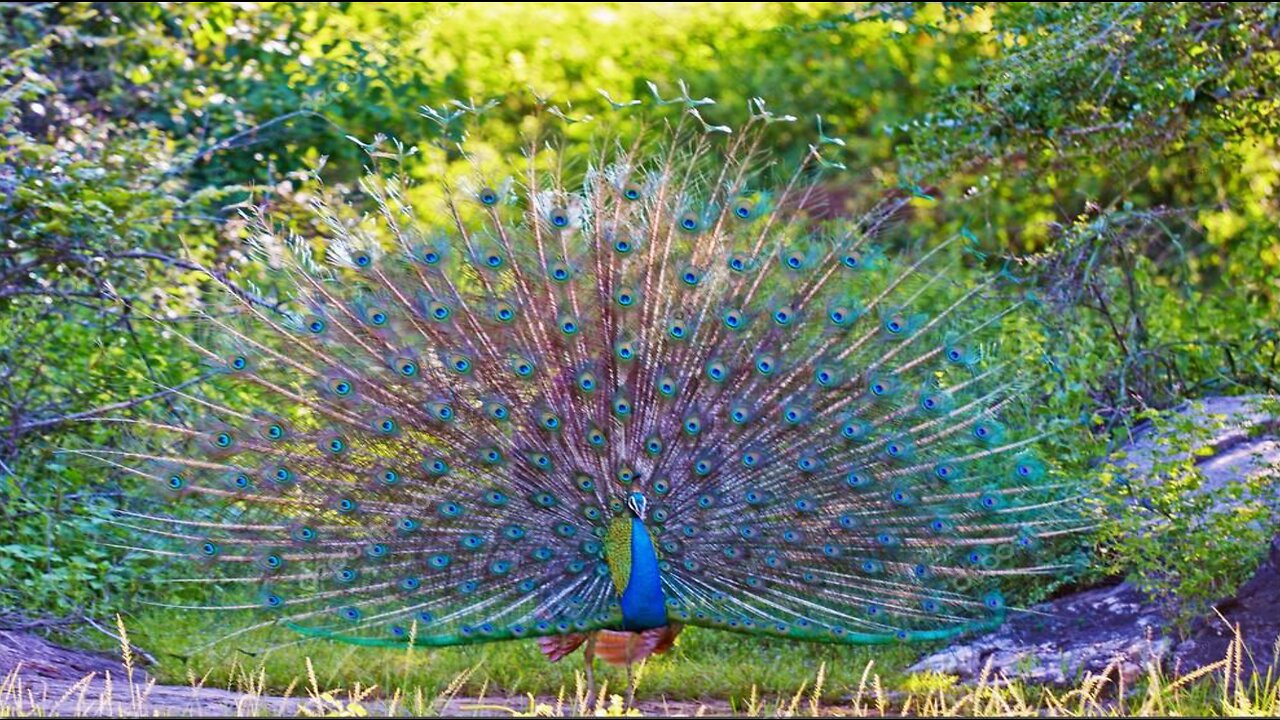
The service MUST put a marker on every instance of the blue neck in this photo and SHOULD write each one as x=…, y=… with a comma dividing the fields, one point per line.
x=643, y=604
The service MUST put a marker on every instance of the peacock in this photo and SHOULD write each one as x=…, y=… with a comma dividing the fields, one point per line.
x=641, y=377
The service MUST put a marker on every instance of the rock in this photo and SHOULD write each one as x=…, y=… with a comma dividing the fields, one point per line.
x=1244, y=439
x=1118, y=629
x=1107, y=629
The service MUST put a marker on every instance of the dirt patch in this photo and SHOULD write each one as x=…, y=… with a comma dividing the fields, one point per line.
x=42, y=660
x=40, y=678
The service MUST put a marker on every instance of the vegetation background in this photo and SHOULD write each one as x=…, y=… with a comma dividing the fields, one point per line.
x=1127, y=150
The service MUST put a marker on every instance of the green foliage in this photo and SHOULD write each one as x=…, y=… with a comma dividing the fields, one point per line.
x=1188, y=541
x=1124, y=81
x=1137, y=328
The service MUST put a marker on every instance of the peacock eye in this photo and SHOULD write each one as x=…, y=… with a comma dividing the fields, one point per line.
x=559, y=271
x=406, y=367
x=460, y=364
x=559, y=218
x=689, y=222
x=503, y=311
x=488, y=196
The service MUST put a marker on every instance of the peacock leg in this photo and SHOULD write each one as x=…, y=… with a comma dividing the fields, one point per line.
x=631, y=678
x=589, y=657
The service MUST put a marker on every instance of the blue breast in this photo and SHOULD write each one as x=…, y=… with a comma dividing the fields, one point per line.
x=643, y=604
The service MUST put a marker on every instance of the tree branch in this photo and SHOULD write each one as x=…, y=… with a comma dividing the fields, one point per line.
x=85, y=414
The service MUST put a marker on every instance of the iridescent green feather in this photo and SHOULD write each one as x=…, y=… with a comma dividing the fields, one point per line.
x=617, y=552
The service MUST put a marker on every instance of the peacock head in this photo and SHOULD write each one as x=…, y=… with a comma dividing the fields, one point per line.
x=638, y=504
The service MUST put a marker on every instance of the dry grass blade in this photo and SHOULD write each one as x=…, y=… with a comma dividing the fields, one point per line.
x=1223, y=688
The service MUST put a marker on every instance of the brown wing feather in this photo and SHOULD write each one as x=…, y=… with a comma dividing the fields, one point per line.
x=611, y=645
x=556, y=647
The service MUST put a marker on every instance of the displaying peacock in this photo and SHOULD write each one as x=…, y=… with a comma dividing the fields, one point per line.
x=596, y=395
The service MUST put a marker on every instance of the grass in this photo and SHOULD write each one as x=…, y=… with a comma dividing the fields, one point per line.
x=389, y=684
x=722, y=663
x=1220, y=689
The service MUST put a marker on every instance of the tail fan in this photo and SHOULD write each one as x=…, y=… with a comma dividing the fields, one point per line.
x=457, y=397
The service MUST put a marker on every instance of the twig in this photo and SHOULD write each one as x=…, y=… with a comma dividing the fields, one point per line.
x=197, y=267
x=231, y=141
x=122, y=405
x=139, y=651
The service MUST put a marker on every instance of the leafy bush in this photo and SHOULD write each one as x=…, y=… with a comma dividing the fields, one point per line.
x=1187, y=541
